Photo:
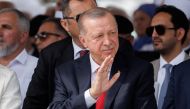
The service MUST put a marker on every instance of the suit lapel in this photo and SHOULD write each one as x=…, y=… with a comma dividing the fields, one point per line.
x=156, y=65
x=111, y=94
x=83, y=75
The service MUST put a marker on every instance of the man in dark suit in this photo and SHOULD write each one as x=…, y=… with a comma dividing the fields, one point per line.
x=178, y=96
x=80, y=84
x=41, y=88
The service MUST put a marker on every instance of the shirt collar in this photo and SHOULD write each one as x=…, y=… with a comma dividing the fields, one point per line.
x=76, y=48
x=94, y=65
x=178, y=59
x=21, y=58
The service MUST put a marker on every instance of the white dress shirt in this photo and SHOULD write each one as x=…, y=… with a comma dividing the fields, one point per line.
x=161, y=73
x=23, y=65
x=10, y=97
x=88, y=98
x=77, y=50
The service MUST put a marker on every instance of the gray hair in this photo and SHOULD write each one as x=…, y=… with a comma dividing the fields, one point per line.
x=23, y=21
x=93, y=14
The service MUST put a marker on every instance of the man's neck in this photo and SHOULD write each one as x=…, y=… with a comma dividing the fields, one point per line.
x=78, y=43
x=171, y=55
x=5, y=60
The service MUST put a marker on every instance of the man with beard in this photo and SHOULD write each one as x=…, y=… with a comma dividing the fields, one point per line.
x=168, y=29
x=14, y=29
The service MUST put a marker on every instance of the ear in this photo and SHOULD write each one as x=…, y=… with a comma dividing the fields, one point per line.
x=180, y=33
x=83, y=41
x=65, y=24
x=24, y=37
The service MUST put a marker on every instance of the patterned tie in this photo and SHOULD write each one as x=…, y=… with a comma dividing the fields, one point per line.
x=100, y=101
x=164, y=87
x=83, y=52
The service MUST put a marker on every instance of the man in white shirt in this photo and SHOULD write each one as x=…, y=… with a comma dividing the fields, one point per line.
x=168, y=29
x=14, y=29
x=10, y=97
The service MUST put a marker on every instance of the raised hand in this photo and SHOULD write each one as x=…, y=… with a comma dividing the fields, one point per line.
x=102, y=83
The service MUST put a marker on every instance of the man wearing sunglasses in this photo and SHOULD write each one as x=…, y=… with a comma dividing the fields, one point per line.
x=41, y=88
x=49, y=32
x=168, y=29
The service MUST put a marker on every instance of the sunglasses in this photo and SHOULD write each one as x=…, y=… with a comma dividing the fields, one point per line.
x=44, y=35
x=160, y=30
x=74, y=18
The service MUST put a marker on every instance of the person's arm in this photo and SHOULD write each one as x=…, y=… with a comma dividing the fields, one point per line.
x=144, y=97
x=63, y=97
x=11, y=98
x=37, y=94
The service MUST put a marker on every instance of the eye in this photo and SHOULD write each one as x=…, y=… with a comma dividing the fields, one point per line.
x=5, y=26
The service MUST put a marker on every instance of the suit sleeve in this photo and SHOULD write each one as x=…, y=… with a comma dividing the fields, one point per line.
x=169, y=99
x=145, y=98
x=37, y=93
x=65, y=98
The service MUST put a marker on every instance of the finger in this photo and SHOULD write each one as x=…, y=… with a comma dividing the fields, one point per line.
x=105, y=65
x=112, y=81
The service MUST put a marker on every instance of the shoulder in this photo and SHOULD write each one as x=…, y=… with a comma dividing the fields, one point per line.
x=57, y=46
x=184, y=66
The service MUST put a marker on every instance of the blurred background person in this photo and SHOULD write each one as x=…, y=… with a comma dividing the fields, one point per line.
x=35, y=23
x=141, y=20
x=125, y=28
x=50, y=31
x=14, y=30
x=10, y=97
x=6, y=4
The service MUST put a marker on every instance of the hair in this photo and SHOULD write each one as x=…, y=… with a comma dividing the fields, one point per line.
x=65, y=6
x=35, y=23
x=178, y=18
x=93, y=14
x=58, y=25
x=23, y=21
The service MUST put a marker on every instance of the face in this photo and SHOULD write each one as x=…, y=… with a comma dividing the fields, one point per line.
x=76, y=7
x=50, y=33
x=101, y=37
x=10, y=35
x=167, y=42
x=141, y=22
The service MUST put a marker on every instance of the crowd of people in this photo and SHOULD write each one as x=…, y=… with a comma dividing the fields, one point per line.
x=88, y=58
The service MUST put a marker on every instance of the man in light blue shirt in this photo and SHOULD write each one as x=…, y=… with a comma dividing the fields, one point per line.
x=14, y=29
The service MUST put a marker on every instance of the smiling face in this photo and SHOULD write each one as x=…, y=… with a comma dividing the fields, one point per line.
x=100, y=37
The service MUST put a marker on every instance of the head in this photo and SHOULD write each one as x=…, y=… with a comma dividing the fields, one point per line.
x=125, y=27
x=71, y=9
x=14, y=29
x=168, y=29
x=49, y=32
x=6, y=4
x=142, y=18
x=99, y=33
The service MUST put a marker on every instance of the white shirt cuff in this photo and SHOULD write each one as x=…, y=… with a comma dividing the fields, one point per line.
x=89, y=99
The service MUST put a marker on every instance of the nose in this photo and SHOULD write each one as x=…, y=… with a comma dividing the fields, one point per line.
x=154, y=33
x=38, y=41
x=107, y=40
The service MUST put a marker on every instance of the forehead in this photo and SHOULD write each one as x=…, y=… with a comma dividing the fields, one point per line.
x=47, y=26
x=162, y=18
x=8, y=17
x=77, y=7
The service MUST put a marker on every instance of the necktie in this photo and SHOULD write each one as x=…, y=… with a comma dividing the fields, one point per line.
x=164, y=85
x=100, y=101
x=83, y=52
